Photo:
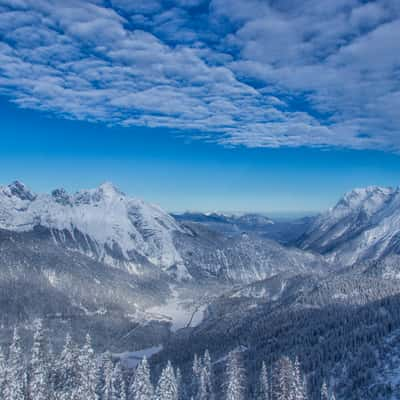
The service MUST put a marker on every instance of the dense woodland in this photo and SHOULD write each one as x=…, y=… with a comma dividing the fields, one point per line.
x=78, y=373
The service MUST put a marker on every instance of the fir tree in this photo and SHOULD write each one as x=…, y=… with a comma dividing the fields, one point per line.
x=39, y=374
x=100, y=378
x=87, y=371
x=3, y=373
x=51, y=368
x=118, y=390
x=167, y=388
x=16, y=374
x=298, y=383
x=67, y=371
x=196, y=372
x=263, y=383
x=284, y=380
x=179, y=382
x=141, y=388
x=324, y=391
x=108, y=371
x=205, y=387
x=234, y=385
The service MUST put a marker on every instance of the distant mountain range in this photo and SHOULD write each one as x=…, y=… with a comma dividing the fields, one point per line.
x=284, y=231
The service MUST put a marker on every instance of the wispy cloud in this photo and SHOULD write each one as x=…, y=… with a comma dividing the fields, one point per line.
x=254, y=73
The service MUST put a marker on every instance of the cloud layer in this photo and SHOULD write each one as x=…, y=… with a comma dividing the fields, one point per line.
x=238, y=72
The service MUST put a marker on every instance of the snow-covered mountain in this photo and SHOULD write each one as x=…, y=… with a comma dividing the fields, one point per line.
x=103, y=223
x=106, y=259
x=244, y=258
x=363, y=225
x=252, y=221
x=127, y=233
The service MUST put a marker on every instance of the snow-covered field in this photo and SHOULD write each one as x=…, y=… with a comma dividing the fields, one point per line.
x=130, y=359
x=180, y=313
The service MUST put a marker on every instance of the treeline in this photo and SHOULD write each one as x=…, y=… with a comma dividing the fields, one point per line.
x=77, y=373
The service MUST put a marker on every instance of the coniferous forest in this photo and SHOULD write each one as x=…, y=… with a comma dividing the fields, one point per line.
x=78, y=373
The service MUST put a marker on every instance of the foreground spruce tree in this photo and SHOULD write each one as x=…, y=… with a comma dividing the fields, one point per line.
x=3, y=366
x=108, y=371
x=206, y=378
x=284, y=379
x=167, y=388
x=196, y=371
x=298, y=383
x=87, y=371
x=141, y=387
x=324, y=391
x=118, y=384
x=235, y=380
x=16, y=371
x=67, y=368
x=263, y=392
x=39, y=384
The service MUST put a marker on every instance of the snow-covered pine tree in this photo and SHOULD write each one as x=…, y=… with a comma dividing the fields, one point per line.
x=196, y=371
x=118, y=389
x=298, y=382
x=87, y=371
x=67, y=371
x=179, y=383
x=124, y=395
x=202, y=388
x=100, y=378
x=51, y=367
x=234, y=384
x=15, y=374
x=283, y=382
x=108, y=370
x=141, y=387
x=39, y=373
x=324, y=391
x=263, y=391
x=206, y=377
x=167, y=388
x=3, y=370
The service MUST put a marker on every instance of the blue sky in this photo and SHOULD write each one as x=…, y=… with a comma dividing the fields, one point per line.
x=257, y=105
x=180, y=174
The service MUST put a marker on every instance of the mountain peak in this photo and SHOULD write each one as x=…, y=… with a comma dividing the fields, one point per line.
x=61, y=196
x=21, y=191
x=370, y=197
x=109, y=189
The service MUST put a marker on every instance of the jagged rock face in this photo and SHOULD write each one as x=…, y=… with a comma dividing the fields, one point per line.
x=364, y=225
x=103, y=223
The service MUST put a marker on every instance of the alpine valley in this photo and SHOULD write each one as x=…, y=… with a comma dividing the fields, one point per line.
x=323, y=290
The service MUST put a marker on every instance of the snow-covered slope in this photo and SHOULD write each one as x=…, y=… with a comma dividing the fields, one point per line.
x=130, y=234
x=364, y=225
x=242, y=258
x=103, y=223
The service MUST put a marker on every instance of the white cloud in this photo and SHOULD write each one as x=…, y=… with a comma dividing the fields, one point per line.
x=253, y=73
